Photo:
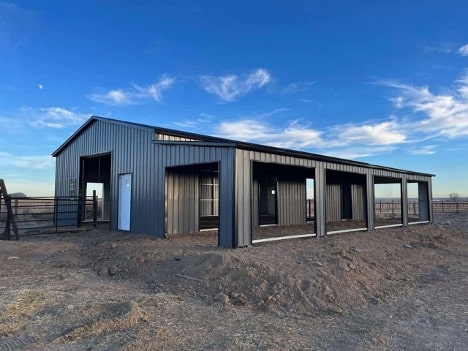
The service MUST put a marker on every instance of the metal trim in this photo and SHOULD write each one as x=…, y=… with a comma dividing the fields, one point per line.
x=284, y=238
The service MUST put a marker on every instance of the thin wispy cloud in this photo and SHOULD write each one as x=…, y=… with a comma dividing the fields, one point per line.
x=293, y=136
x=423, y=150
x=463, y=50
x=449, y=49
x=383, y=133
x=54, y=117
x=347, y=141
x=296, y=87
x=16, y=23
x=355, y=152
x=442, y=49
x=438, y=114
x=28, y=162
x=136, y=94
x=231, y=87
x=113, y=97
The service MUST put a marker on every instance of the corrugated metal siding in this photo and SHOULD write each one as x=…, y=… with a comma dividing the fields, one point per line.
x=333, y=202
x=320, y=200
x=131, y=150
x=246, y=198
x=291, y=202
x=404, y=201
x=255, y=203
x=182, y=202
x=359, y=201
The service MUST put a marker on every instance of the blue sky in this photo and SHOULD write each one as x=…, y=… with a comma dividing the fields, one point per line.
x=384, y=82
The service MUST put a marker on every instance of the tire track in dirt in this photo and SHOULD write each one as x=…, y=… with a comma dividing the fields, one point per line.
x=16, y=343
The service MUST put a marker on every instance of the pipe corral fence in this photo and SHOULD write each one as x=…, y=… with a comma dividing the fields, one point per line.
x=393, y=206
x=42, y=215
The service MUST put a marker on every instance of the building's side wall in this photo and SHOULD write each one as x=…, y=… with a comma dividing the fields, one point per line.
x=131, y=152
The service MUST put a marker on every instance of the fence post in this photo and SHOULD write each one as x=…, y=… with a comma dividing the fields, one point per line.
x=457, y=207
x=95, y=208
x=9, y=215
x=55, y=213
x=80, y=210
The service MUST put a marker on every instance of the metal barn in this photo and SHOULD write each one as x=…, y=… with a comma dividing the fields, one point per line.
x=161, y=182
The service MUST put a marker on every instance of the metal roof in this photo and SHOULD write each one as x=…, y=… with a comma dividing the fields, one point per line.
x=207, y=140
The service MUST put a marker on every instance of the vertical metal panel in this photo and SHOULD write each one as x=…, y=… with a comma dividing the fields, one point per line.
x=255, y=203
x=245, y=211
x=423, y=197
x=370, y=197
x=320, y=200
x=404, y=201
x=227, y=215
x=333, y=202
x=291, y=202
x=359, y=203
x=182, y=202
x=429, y=197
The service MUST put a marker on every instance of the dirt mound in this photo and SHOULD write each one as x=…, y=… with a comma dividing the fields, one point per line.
x=310, y=288
x=303, y=284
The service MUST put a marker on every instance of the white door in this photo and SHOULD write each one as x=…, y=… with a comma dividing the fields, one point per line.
x=125, y=200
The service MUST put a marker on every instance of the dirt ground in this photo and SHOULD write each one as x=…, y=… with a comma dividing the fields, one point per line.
x=391, y=289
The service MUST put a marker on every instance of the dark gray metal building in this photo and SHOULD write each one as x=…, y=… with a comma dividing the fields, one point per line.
x=158, y=181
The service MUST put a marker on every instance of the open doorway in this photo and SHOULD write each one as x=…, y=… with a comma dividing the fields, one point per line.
x=418, y=202
x=310, y=200
x=282, y=202
x=387, y=200
x=95, y=174
x=96, y=189
x=346, y=205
